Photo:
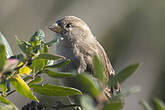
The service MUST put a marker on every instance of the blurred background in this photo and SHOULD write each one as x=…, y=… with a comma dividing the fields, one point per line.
x=130, y=31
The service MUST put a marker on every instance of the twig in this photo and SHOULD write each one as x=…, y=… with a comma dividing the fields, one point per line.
x=33, y=77
x=60, y=105
x=11, y=92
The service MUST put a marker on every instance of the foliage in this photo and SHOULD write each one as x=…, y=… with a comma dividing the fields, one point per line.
x=157, y=103
x=24, y=72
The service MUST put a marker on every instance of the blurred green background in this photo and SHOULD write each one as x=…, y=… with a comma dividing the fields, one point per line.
x=129, y=30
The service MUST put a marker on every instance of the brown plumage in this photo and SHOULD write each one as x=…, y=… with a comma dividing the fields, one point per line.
x=79, y=45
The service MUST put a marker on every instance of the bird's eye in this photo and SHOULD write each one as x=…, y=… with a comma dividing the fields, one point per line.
x=68, y=25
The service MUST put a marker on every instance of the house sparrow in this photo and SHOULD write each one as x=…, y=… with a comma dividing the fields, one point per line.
x=79, y=45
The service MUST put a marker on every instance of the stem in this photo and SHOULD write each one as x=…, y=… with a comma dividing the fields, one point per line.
x=10, y=92
x=58, y=106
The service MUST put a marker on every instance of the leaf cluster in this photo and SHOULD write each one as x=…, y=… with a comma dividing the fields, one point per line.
x=157, y=104
x=96, y=88
x=23, y=72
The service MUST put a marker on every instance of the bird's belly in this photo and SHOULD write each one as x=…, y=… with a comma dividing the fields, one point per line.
x=73, y=66
x=68, y=53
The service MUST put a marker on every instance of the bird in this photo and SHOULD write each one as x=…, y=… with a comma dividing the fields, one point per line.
x=79, y=45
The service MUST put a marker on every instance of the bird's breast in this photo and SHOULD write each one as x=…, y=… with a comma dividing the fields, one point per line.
x=69, y=51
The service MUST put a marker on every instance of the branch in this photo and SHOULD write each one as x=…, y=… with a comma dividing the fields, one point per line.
x=61, y=105
x=11, y=92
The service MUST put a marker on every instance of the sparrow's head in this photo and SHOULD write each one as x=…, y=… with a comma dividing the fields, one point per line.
x=71, y=26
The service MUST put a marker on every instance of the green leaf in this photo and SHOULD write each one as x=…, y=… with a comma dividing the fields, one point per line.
x=146, y=105
x=89, y=83
x=18, y=41
x=2, y=57
x=37, y=37
x=5, y=107
x=52, y=42
x=113, y=106
x=36, y=41
x=38, y=64
x=20, y=85
x=53, y=90
x=45, y=48
x=55, y=74
x=27, y=78
x=87, y=103
x=99, y=68
x=3, y=41
x=125, y=93
x=50, y=62
x=122, y=75
x=38, y=79
x=60, y=64
x=5, y=101
x=3, y=85
x=159, y=105
x=24, y=70
x=24, y=46
x=49, y=56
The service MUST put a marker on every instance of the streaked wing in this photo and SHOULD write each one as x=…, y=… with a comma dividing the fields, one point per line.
x=97, y=49
x=104, y=58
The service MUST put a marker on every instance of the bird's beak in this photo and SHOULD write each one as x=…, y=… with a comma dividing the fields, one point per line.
x=56, y=28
